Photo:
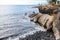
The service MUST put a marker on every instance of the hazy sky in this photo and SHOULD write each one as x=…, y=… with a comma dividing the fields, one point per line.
x=22, y=2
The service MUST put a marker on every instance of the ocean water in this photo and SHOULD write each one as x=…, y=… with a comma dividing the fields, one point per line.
x=14, y=22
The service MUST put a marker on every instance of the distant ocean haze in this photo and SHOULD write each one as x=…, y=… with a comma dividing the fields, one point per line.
x=16, y=9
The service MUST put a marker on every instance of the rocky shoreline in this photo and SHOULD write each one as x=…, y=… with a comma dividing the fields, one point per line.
x=40, y=36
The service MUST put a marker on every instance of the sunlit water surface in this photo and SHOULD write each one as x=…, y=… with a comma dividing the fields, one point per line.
x=13, y=21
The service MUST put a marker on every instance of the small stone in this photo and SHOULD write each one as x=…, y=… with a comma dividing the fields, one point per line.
x=42, y=39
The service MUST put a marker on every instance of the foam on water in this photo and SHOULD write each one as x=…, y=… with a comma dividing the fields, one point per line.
x=15, y=23
x=24, y=19
x=31, y=32
x=25, y=34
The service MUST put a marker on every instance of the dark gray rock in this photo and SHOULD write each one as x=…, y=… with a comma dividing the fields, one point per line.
x=40, y=36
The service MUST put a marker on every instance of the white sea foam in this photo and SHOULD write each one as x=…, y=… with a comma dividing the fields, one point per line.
x=24, y=19
x=33, y=28
x=27, y=33
x=40, y=28
x=32, y=32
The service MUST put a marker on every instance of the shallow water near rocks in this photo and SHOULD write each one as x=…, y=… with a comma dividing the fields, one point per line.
x=14, y=24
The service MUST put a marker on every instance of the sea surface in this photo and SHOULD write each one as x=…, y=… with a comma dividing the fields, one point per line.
x=13, y=21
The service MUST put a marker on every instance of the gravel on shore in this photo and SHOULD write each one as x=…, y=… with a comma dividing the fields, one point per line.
x=40, y=36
